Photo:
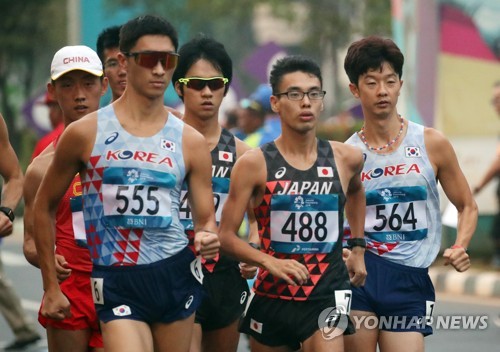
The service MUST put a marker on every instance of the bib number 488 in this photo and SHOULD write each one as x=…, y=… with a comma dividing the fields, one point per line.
x=306, y=226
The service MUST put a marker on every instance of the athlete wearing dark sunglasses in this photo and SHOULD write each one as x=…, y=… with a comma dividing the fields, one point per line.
x=199, y=83
x=150, y=59
x=170, y=153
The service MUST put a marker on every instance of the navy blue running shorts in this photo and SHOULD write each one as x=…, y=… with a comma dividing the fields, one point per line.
x=402, y=297
x=161, y=292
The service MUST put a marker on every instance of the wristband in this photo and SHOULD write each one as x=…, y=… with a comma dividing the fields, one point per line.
x=356, y=242
x=455, y=246
x=8, y=212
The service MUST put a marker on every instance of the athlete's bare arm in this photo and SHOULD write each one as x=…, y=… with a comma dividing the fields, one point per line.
x=492, y=172
x=253, y=234
x=454, y=183
x=199, y=180
x=247, y=188
x=349, y=160
x=74, y=147
x=12, y=178
x=248, y=271
x=34, y=175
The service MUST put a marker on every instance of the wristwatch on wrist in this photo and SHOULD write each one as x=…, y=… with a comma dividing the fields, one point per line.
x=356, y=242
x=254, y=245
x=8, y=212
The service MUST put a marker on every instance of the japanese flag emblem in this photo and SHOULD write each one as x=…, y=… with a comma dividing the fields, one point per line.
x=325, y=171
x=225, y=156
x=256, y=326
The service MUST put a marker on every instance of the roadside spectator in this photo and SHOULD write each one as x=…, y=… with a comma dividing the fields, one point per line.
x=56, y=121
x=491, y=173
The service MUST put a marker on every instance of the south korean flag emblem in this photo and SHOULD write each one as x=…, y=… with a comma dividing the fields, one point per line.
x=412, y=152
x=167, y=145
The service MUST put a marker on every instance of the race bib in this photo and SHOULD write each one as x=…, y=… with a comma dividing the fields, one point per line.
x=137, y=198
x=304, y=224
x=97, y=290
x=220, y=187
x=396, y=214
x=78, y=223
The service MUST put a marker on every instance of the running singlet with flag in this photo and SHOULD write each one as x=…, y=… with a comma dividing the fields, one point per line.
x=68, y=223
x=223, y=159
x=403, y=221
x=131, y=191
x=300, y=217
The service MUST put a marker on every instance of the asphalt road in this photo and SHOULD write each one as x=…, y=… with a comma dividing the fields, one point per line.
x=486, y=337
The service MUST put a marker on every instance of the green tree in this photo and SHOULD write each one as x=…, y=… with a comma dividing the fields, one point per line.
x=31, y=31
x=329, y=26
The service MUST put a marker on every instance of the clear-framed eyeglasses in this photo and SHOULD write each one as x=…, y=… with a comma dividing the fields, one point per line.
x=299, y=95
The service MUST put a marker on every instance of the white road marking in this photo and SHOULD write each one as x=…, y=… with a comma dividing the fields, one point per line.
x=14, y=259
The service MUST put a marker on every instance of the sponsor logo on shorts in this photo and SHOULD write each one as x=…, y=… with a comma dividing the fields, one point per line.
x=122, y=310
x=188, y=302
x=243, y=297
x=332, y=322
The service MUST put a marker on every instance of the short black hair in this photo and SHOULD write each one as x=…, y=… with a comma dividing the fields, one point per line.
x=140, y=26
x=290, y=64
x=109, y=38
x=206, y=48
x=369, y=54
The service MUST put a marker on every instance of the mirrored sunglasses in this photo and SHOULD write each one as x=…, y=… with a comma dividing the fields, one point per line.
x=199, y=83
x=150, y=59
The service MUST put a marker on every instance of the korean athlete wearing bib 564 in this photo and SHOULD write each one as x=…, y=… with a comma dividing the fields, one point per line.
x=404, y=161
x=299, y=187
x=133, y=157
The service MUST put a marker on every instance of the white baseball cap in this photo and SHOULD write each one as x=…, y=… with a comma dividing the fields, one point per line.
x=75, y=57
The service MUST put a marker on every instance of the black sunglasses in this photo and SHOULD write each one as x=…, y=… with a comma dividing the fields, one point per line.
x=199, y=83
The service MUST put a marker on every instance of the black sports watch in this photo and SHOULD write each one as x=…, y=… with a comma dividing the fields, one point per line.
x=254, y=245
x=356, y=242
x=8, y=212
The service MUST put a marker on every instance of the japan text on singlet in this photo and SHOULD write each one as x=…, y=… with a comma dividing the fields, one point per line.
x=300, y=217
x=131, y=191
x=403, y=221
x=223, y=159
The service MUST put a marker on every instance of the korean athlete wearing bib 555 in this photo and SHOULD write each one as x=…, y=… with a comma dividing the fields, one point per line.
x=404, y=161
x=133, y=157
